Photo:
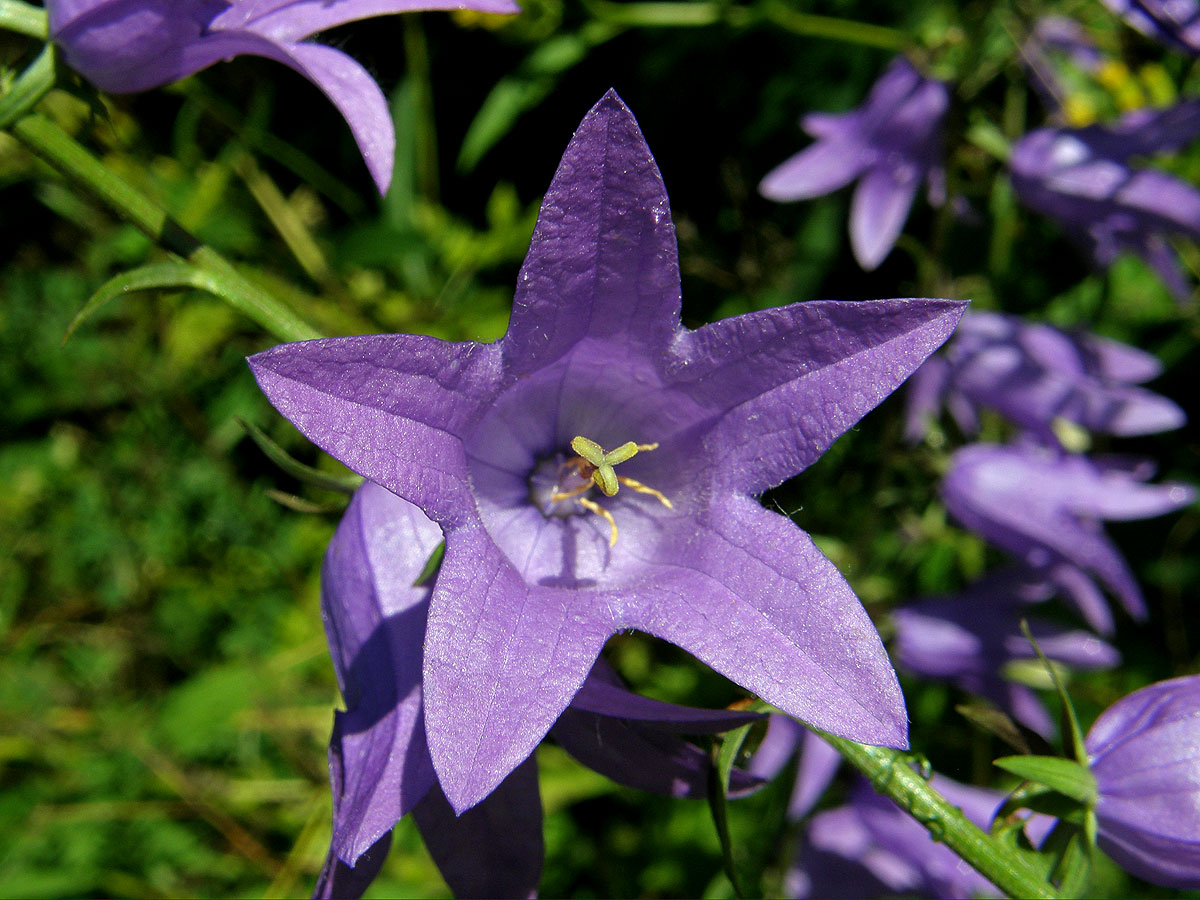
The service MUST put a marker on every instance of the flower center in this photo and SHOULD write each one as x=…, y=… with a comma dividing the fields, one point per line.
x=560, y=486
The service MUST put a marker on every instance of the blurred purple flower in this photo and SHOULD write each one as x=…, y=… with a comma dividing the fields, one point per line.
x=1046, y=508
x=1032, y=374
x=969, y=639
x=890, y=144
x=1144, y=752
x=818, y=762
x=1175, y=23
x=125, y=46
x=480, y=437
x=872, y=848
x=378, y=755
x=1082, y=178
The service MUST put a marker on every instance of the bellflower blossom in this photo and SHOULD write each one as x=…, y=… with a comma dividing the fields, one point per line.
x=1046, y=508
x=969, y=640
x=1082, y=178
x=890, y=144
x=125, y=46
x=1175, y=23
x=378, y=755
x=872, y=848
x=1144, y=752
x=1033, y=373
x=500, y=445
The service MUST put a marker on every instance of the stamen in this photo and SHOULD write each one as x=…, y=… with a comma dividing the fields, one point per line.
x=635, y=485
x=593, y=507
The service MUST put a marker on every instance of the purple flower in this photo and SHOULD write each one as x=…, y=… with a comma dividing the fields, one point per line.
x=1032, y=374
x=379, y=764
x=502, y=445
x=969, y=640
x=1144, y=752
x=872, y=848
x=1046, y=508
x=818, y=762
x=1082, y=178
x=124, y=46
x=1175, y=23
x=889, y=144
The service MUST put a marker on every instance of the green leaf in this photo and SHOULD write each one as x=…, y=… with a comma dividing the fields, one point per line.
x=526, y=88
x=156, y=276
x=432, y=564
x=1024, y=740
x=32, y=85
x=1063, y=775
x=1070, y=720
x=727, y=754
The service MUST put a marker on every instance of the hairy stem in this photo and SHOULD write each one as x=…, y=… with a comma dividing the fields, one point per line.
x=891, y=774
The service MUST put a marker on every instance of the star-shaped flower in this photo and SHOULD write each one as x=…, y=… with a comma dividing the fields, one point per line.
x=125, y=46
x=1046, y=508
x=375, y=616
x=891, y=144
x=1032, y=374
x=479, y=436
x=1082, y=178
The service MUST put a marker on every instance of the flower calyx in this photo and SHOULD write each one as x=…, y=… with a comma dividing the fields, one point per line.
x=595, y=466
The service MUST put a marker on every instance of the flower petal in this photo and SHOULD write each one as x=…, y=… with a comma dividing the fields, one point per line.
x=746, y=591
x=493, y=850
x=502, y=661
x=339, y=881
x=375, y=621
x=599, y=698
x=603, y=262
x=295, y=20
x=880, y=206
x=391, y=407
x=642, y=757
x=351, y=89
x=785, y=383
x=822, y=168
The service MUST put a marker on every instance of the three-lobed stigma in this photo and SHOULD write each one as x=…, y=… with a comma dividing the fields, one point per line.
x=595, y=466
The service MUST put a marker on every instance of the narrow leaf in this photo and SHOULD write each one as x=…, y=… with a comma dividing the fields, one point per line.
x=156, y=276
x=1063, y=775
x=344, y=484
x=727, y=754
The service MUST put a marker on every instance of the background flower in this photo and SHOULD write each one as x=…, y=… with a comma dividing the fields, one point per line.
x=1046, y=508
x=890, y=144
x=1082, y=178
x=1032, y=374
x=971, y=638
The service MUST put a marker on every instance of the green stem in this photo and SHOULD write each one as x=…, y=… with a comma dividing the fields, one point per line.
x=835, y=29
x=889, y=771
x=66, y=155
x=30, y=87
x=24, y=18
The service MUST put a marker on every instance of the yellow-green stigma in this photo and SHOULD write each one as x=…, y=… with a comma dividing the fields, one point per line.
x=595, y=466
